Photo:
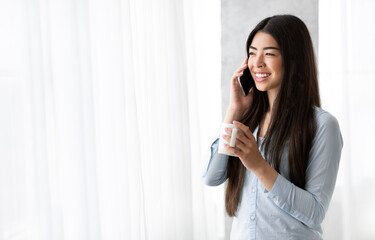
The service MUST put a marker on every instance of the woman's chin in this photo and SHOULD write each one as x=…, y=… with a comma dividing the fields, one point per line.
x=261, y=89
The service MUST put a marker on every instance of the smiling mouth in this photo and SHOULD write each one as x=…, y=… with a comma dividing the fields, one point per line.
x=262, y=75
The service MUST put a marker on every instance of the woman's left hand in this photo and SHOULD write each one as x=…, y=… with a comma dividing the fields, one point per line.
x=246, y=147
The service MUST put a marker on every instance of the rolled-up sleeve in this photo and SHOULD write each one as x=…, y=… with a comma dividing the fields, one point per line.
x=215, y=165
x=309, y=205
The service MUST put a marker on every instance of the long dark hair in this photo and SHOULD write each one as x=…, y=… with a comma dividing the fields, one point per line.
x=292, y=118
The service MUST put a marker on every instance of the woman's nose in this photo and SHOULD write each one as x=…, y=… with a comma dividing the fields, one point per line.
x=258, y=61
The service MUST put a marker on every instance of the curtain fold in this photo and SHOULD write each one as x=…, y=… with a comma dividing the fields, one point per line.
x=346, y=48
x=112, y=117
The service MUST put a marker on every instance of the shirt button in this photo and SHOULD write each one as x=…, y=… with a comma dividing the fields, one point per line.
x=253, y=190
x=291, y=211
x=252, y=217
x=275, y=199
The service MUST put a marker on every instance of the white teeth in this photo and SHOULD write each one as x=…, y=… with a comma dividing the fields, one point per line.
x=262, y=75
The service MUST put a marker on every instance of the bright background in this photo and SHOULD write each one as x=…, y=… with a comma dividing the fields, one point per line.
x=108, y=109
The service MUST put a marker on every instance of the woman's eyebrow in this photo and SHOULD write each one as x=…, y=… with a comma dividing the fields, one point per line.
x=265, y=48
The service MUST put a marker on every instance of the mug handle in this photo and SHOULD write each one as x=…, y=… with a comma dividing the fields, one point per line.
x=233, y=137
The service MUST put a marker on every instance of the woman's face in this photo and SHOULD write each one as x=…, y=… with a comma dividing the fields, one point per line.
x=265, y=63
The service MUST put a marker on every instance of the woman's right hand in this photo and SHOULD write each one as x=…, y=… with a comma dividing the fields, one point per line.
x=239, y=104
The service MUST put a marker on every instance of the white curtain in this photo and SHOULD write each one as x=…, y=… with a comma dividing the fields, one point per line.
x=106, y=112
x=347, y=81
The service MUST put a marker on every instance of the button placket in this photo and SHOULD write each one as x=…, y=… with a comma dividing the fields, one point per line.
x=253, y=205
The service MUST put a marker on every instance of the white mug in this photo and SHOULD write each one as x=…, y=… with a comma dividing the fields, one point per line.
x=232, y=142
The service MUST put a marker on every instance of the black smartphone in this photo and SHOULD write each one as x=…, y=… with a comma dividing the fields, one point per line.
x=246, y=81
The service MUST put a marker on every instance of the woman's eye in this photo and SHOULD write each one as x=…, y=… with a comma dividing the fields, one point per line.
x=270, y=54
x=251, y=53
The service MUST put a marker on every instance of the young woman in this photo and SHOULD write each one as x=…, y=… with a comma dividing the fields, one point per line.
x=288, y=149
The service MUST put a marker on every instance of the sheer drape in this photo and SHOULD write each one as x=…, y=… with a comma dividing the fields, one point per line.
x=106, y=114
x=346, y=63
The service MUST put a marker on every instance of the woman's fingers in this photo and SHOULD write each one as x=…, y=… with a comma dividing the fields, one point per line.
x=228, y=138
x=245, y=129
x=239, y=135
x=243, y=67
x=229, y=131
x=240, y=138
x=239, y=71
x=245, y=144
x=233, y=150
x=237, y=74
x=241, y=146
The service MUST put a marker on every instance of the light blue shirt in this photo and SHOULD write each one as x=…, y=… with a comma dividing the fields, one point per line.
x=287, y=211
